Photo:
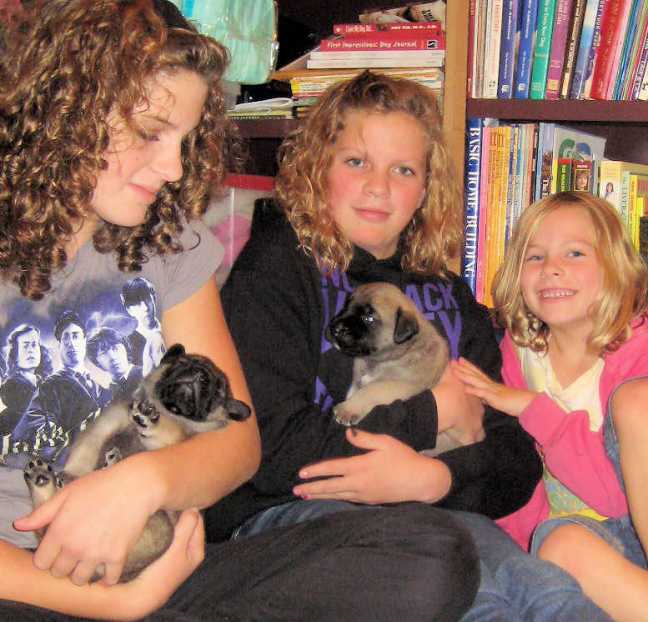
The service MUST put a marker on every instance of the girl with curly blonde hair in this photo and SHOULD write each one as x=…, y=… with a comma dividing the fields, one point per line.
x=112, y=134
x=572, y=295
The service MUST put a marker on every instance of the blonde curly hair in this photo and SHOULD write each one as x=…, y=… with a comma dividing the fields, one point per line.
x=69, y=64
x=624, y=285
x=432, y=237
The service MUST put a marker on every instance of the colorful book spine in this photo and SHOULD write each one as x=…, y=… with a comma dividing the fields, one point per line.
x=641, y=65
x=620, y=49
x=611, y=30
x=528, y=21
x=575, y=27
x=558, y=47
x=474, y=128
x=545, y=160
x=584, y=47
x=344, y=29
x=507, y=48
x=544, y=31
x=593, y=55
x=473, y=19
x=492, y=48
x=631, y=50
x=343, y=44
x=487, y=162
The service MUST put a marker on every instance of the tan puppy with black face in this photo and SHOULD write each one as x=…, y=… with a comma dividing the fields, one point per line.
x=398, y=353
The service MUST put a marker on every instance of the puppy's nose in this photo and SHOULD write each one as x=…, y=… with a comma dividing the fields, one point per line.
x=338, y=332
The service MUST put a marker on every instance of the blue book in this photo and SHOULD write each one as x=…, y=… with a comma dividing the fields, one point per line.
x=508, y=48
x=584, y=47
x=474, y=127
x=528, y=21
x=596, y=40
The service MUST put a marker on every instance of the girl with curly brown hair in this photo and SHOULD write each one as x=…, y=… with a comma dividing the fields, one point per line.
x=112, y=133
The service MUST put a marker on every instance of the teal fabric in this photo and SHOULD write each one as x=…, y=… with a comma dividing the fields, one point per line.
x=247, y=28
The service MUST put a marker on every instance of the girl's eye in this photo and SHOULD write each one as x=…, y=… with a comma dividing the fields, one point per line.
x=405, y=170
x=354, y=162
x=576, y=254
x=148, y=136
x=533, y=258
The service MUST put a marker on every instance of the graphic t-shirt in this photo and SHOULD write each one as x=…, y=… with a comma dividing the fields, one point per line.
x=88, y=341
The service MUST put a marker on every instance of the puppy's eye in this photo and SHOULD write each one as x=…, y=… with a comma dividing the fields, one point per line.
x=368, y=318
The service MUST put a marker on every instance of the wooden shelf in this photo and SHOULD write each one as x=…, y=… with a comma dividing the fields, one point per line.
x=560, y=110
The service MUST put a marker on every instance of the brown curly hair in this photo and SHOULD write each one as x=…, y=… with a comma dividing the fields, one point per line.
x=69, y=64
x=624, y=289
x=434, y=234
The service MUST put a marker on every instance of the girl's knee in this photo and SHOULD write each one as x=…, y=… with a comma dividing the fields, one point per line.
x=565, y=546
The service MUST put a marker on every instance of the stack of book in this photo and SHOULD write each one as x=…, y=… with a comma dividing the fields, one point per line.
x=405, y=49
x=510, y=165
x=558, y=49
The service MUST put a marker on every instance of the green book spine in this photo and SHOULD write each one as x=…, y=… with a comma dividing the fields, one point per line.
x=544, y=32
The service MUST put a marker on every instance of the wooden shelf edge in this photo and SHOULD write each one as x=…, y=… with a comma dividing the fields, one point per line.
x=560, y=110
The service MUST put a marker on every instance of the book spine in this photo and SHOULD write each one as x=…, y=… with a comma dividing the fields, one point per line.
x=593, y=54
x=528, y=20
x=578, y=14
x=544, y=31
x=343, y=63
x=382, y=43
x=558, y=46
x=624, y=43
x=610, y=33
x=635, y=53
x=471, y=202
x=507, y=49
x=473, y=18
x=546, y=157
x=344, y=29
x=492, y=48
x=483, y=218
x=631, y=50
x=564, y=173
x=584, y=46
x=641, y=65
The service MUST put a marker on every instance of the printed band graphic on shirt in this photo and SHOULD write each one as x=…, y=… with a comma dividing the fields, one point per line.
x=435, y=301
x=60, y=369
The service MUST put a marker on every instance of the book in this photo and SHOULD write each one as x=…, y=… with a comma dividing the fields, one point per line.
x=558, y=46
x=342, y=44
x=643, y=238
x=584, y=47
x=613, y=186
x=544, y=31
x=630, y=53
x=575, y=27
x=564, y=174
x=522, y=77
x=492, y=48
x=582, y=175
x=412, y=59
x=636, y=203
x=544, y=160
x=611, y=30
x=372, y=53
x=620, y=49
x=593, y=53
x=641, y=66
x=508, y=48
x=473, y=19
x=398, y=26
x=570, y=143
x=471, y=201
x=481, y=15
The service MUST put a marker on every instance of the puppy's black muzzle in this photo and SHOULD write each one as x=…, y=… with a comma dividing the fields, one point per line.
x=349, y=335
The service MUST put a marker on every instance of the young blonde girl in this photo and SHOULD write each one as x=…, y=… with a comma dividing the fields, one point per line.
x=572, y=297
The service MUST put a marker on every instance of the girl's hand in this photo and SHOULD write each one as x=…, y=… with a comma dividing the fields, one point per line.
x=155, y=585
x=390, y=472
x=506, y=399
x=93, y=522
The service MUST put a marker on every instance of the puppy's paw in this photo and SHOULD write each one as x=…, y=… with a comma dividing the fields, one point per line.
x=146, y=417
x=347, y=416
x=41, y=480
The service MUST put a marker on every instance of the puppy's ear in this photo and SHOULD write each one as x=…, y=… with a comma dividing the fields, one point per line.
x=176, y=350
x=237, y=410
x=405, y=327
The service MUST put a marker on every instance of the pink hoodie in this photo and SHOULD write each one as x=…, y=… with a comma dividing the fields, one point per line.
x=574, y=454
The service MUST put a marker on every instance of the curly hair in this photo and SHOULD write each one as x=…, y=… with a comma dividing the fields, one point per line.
x=432, y=237
x=624, y=285
x=69, y=65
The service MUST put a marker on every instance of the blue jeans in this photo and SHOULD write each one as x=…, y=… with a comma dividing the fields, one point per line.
x=514, y=585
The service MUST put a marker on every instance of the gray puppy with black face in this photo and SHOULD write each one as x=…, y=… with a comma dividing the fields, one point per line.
x=185, y=395
x=398, y=353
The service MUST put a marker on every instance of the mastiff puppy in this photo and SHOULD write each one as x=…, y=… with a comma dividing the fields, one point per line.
x=185, y=395
x=398, y=353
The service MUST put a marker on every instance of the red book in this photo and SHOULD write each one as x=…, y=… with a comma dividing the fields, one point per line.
x=611, y=30
x=347, y=29
x=341, y=44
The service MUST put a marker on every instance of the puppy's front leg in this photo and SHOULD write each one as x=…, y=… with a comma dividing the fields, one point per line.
x=156, y=429
x=359, y=404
